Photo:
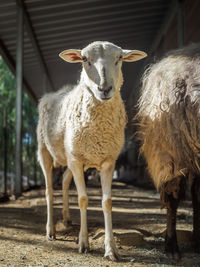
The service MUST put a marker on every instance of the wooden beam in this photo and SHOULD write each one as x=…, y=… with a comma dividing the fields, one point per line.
x=34, y=43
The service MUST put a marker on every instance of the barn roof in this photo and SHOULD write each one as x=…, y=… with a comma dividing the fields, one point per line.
x=51, y=26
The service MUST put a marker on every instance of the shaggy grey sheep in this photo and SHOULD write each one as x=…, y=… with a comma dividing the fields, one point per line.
x=169, y=118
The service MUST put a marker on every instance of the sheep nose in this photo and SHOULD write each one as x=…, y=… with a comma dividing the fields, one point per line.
x=105, y=91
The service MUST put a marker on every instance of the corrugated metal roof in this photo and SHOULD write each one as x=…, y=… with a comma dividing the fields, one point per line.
x=64, y=24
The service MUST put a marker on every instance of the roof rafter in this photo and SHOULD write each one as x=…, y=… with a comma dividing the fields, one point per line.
x=34, y=42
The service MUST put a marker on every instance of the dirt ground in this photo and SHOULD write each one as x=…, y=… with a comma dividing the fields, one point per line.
x=138, y=224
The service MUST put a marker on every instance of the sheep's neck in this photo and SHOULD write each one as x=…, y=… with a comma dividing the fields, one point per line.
x=89, y=109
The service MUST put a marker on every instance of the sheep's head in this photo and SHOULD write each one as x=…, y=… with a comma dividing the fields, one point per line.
x=102, y=62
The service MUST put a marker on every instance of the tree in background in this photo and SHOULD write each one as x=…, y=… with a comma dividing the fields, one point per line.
x=30, y=117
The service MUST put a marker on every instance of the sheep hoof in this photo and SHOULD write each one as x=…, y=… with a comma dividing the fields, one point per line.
x=171, y=248
x=83, y=248
x=51, y=237
x=112, y=256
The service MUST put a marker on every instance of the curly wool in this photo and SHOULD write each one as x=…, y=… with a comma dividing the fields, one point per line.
x=169, y=115
x=75, y=122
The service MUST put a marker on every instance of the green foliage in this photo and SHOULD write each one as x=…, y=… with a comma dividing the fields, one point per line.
x=7, y=102
x=7, y=90
x=29, y=118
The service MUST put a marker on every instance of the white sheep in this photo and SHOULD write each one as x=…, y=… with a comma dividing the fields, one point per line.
x=84, y=128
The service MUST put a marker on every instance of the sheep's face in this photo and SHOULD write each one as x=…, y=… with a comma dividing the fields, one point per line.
x=102, y=62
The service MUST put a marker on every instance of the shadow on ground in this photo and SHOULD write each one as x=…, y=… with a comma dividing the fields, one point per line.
x=138, y=223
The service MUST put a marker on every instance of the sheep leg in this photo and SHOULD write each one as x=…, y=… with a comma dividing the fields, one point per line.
x=46, y=161
x=77, y=170
x=196, y=213
x=171, y=246
x=67, y=177
x=106, y=175
x=171, y=194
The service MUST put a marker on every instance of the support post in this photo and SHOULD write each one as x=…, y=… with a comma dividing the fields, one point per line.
x=5, y=180
x=19, y=84
x=35, y=168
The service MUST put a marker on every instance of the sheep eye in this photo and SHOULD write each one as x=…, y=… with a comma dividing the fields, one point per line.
x=120, y=58
x=84, y=59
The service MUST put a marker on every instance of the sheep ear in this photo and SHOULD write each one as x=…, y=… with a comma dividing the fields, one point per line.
x=133, y=55
x=71, y=55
